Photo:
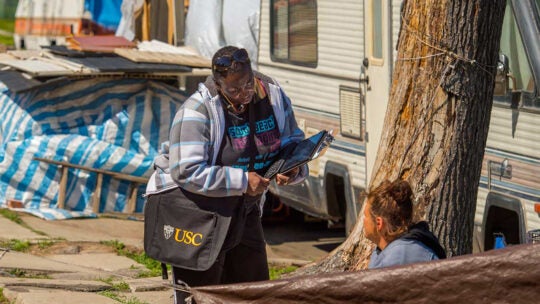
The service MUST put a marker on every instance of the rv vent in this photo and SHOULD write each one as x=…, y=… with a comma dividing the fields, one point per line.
x=350, y=109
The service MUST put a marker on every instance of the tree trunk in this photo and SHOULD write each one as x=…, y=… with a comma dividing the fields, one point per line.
x=437, y=120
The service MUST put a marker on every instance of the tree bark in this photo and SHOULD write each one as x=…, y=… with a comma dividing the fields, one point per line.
x=437, y=120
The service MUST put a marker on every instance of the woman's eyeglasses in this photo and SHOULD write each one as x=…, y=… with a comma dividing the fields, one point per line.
x=223, y=63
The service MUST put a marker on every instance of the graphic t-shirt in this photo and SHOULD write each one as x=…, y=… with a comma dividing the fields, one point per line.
x=235, y=148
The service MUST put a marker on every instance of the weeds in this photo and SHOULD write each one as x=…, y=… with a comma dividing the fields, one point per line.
x=108, y=280
x=153, y=266
x=14, y=217
x=16, y=245
x=3, y=299
x=115, y=292
x=20, y=273
x=8, y=26
x=120, y=286
x=120, y=298
x=277, y=271
x=45, y=244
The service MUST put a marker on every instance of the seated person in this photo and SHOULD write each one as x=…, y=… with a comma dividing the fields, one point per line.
x=387, y=223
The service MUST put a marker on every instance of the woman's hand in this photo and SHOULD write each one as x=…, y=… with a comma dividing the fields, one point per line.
x=283, y=179
x=256, y=184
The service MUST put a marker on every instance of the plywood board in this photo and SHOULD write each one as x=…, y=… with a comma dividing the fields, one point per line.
x=104, y=44
x=161, y=57
x=37, y=67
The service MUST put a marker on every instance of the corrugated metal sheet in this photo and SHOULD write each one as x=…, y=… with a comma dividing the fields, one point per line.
x=17, y=83
x=120, y=64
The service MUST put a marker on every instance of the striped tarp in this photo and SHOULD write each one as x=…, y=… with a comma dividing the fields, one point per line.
x=104, y=123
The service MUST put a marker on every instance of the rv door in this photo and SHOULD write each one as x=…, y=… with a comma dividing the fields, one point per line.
x=377, y=68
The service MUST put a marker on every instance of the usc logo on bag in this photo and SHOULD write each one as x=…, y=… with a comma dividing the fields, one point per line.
x=188, y=237
x=183, y=236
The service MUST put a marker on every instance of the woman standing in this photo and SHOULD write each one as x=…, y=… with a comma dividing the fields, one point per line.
x=222, y=141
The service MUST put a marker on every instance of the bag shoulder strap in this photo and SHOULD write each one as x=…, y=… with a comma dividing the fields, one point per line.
x=164, y=273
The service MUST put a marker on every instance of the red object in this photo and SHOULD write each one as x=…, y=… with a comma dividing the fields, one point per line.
x=537, y=208
x=99, y=43
x=14, y=204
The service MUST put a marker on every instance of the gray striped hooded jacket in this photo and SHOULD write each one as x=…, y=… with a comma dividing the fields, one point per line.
x=188, y=159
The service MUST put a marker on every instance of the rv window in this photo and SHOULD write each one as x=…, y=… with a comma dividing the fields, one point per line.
x=521, y=77
x=377, y=24
x=294, y=31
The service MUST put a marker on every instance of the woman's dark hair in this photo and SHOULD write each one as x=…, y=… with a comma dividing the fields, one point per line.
x=235, y=67
x=393, y=202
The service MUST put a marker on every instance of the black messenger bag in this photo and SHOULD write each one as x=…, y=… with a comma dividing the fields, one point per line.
x=181, y=232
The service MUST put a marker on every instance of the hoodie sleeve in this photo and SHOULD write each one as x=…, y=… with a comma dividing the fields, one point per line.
x=191, y=151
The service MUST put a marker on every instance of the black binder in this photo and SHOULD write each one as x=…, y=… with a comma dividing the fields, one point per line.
x=298, y=154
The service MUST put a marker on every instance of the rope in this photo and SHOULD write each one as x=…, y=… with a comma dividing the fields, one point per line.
x=421, y=57
x=442, y=51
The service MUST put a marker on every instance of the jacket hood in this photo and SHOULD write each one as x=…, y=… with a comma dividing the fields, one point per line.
x=420, y=232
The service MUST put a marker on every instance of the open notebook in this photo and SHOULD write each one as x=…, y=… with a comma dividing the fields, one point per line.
x=296, y=155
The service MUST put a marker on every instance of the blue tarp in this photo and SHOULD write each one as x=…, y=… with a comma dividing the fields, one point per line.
x=105, y=12
x=110, y=124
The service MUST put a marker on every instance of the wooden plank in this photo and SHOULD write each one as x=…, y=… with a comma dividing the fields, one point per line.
x=37, y=67
x=132, y=202
x=62, y=187
x=162, y=57
x=96, y=199
x=25, y=54
x=104, y=43
x=97, y=193
x=122, y=176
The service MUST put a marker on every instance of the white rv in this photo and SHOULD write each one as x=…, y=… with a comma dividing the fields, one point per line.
x=335, y=59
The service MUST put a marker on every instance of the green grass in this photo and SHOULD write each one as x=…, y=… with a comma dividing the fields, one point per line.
x=277, y=271
x=16, y=245
x=7, y=40
x=116, y=290
x=20, y=273
x=7, y=25
x=153, y=266
x=45, y=244
x=14, y=217
x=120, y=298
x=3, y=299
x=108, y=280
